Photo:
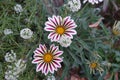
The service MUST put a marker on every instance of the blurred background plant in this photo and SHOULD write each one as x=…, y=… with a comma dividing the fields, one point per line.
x=93, y=48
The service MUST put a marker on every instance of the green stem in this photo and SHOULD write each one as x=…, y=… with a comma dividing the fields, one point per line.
x=103, y=37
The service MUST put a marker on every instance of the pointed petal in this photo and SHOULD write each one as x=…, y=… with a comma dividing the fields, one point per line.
x=51, y=35
x=71, y=31
x=40, y=66
x=70, y=23
x=65, y=20
x=36, y=60
x=51, y=47
x=56, y=19
x=49, y=29
x=57, y=64
x=69, y=35
x=54, y=49
x=58, y=53
x=71, y=26
x=51, y=69
x=43, y=48
x=46, y=69
x=38, y=52
x=60, y=20
x=49, y=24
x=53, y=65
x=38, y=56
x=54, y=37
x=58, y=60
x=57, y=37
x=52, y=21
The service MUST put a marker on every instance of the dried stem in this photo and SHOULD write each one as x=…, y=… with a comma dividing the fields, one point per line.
x=114, y=4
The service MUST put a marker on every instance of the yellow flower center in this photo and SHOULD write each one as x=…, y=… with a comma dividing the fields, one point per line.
x=60, y=30
x=116, y=31
x=48, y=57
x=93, y=65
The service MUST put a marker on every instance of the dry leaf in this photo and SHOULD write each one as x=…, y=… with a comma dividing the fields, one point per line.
x=107, y=76
x=96, y=24
x=75, y=77
x=116, y=76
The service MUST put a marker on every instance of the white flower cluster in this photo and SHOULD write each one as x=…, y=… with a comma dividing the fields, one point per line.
x=93, y=1
x=18, y=8
x=16, y=67
x=10, y=56
x=73, y=5
x=8, y=31
x=26, y=33
x=19, y=66
x=9, y=75
x=65, y=41
x=51, y=77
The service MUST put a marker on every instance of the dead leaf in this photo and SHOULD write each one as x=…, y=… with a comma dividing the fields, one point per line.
x=116, y=76
x=96, y=24
x=75, y=77
x=107, y=76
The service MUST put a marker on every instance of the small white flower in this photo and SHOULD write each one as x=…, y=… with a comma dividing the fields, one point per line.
x=18, y=8
x=26, y=33
x=13, y=72
x=93, y=1
x=51, y=77
x=74, y=5
x=9, y=66
x=16, y=67
x=10, y=76
x=8, y=31
x=20, y=66
x=10, y=56
x=65, y=41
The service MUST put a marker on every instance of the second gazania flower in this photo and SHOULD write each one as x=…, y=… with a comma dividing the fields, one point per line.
x=47, y=60
x=58, y=27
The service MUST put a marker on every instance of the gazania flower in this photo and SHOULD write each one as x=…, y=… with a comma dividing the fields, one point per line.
x=95, y=66
x=59, y=27
x=116, y=28
x=47, y=60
